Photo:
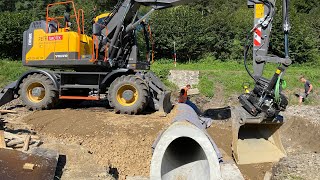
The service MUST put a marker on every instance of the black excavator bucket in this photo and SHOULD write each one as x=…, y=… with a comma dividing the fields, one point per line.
x=7, y=93
x=165, y=104
x=254, y=142
x=161, y=97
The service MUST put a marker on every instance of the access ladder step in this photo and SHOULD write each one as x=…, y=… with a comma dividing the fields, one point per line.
x=88, y=98
x=78, y=86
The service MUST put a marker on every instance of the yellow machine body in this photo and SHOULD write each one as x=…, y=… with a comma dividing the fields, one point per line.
x=101, y=16
x=59, y=46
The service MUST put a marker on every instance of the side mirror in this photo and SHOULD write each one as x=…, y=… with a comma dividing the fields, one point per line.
x=96, y=29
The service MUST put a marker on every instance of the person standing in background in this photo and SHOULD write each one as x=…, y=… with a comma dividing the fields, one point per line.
x=307, y=89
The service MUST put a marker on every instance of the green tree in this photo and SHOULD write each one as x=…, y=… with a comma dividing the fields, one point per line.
x=12, y=26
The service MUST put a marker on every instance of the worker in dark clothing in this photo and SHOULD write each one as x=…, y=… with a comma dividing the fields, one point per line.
x=183, y=98
x=94, y=14
x=67, y=19
x=307, y=89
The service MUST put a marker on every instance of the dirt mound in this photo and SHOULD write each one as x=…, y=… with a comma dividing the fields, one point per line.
x=298, y=166
x=122, y=141
x=300, y=137
x=103, y=139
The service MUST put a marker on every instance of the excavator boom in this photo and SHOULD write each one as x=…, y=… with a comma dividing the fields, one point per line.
x=256, y=123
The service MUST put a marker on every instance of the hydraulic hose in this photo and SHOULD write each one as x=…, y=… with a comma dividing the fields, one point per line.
x=277, y=91
x=246, y=50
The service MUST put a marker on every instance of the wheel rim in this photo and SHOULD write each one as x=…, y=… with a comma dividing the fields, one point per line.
x=36, y=92
x=127, y=95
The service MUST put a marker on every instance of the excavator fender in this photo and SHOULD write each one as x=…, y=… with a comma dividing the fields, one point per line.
x=255, y=142
x=49, y=74
x=114, y=75
x=10, y=92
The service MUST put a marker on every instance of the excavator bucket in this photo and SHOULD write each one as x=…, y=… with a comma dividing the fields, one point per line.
x=7, y=93
x=256, y=142
x=161, y=99
x=165, y=104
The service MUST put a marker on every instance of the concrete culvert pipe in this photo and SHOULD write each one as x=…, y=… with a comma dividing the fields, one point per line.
x=184, y=151
x=184, y=155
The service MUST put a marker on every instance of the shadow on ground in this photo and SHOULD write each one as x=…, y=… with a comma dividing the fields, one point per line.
x=61, y=163
x=219, y=113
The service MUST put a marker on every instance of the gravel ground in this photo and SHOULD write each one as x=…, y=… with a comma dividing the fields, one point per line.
x=96, y=142
x=298, y=166
x=301, y=139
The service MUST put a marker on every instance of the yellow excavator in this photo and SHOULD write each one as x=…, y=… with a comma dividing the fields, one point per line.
x=109, y=65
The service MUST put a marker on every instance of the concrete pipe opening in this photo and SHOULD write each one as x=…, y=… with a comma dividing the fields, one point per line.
x=184, y=159
x=184, y=152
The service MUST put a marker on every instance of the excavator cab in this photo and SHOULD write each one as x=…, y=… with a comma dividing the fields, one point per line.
x=59, y=40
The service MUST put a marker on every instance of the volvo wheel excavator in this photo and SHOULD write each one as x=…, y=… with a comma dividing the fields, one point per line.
x=108, y=65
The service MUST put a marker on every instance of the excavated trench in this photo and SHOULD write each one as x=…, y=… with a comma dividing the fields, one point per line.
x=101, y=132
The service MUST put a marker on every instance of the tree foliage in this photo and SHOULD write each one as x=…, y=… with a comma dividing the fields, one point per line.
x=219, y=28
x=207, y=27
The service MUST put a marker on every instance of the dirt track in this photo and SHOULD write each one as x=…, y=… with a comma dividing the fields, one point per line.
x=120, y=141
x=93, y=142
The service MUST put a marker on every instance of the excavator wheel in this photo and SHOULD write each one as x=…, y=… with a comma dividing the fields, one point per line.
x=128, y=94
x=38, y=92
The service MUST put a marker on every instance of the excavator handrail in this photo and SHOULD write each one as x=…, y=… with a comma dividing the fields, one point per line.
x=75, y=15
x=81, y=12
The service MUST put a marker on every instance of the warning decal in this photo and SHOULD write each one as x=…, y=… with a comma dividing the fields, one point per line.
x=259, y=11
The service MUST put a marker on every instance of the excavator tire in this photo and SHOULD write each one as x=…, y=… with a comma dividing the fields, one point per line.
x=38, y=92
x=128, y=94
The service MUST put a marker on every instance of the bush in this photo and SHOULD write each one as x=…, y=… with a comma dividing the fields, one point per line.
x=12, y=26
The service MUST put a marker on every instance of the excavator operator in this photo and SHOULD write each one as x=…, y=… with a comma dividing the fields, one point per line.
x=67, y=18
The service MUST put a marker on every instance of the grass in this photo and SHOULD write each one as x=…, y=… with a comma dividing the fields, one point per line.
x=10, y=71
x=206, y=85
x=231, y=75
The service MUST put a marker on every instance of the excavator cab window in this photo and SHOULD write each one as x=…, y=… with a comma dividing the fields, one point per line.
x=64, y=14
x=67, y=16
x=52, y=27
x=100, y=21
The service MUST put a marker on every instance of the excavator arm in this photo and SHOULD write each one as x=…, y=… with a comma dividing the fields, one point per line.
x=162, y=4
x=257, y=120
x=256, y=123
x=115, y=36
x=266, y=100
